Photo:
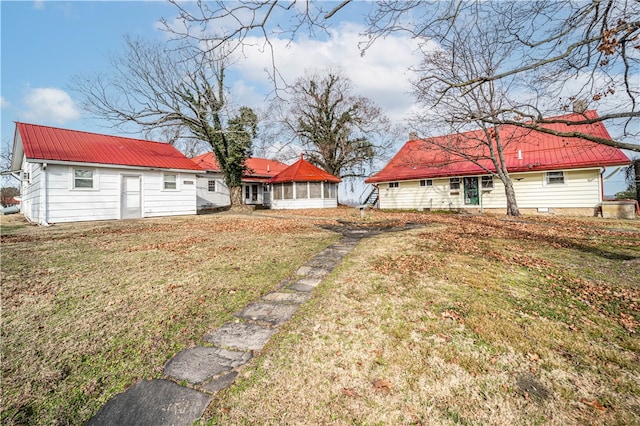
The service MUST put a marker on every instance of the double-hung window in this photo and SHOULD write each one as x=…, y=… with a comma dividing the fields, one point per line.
x=211, y=186
x=170, y=182
x=83, y=178
x=555, y=178
x=454, y=184
x=426, y=182
x=487, y=182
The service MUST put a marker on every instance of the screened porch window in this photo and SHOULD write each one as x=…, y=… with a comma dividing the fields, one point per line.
x=315, y=189
x=301, y=190
x=277, y=191
x=329, y=190
x=288, y=190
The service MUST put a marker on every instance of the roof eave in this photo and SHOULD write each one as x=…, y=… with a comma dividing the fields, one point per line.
x=110, y=166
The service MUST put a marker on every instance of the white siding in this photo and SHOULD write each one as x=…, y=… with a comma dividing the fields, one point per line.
x=581, y=189
x=30, y=191
x=305, y=203
x=64, y=203
x=219, y=198
x=156, y=201
x=410, y=195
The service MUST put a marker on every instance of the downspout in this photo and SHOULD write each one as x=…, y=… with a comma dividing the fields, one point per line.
x=604, y=169
x=44, y=209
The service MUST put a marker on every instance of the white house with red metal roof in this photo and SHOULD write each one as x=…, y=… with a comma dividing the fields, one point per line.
x=303, y=186
x=550, y=173
x=69, y=175
x=213, y=192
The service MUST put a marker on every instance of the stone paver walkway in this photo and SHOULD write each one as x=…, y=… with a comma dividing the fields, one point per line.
x=194, y=374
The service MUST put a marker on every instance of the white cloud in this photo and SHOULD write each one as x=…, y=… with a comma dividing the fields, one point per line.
x=50, y=105
x=4, y=103
x=382, y=74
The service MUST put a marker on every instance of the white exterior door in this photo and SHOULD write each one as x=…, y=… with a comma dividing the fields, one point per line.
x=131, y=197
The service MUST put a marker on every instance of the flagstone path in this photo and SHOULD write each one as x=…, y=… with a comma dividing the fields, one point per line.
x=194, y=374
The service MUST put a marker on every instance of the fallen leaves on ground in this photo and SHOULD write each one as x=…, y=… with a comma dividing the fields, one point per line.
x=594, y=403
x=350, y=392
x=382, y=385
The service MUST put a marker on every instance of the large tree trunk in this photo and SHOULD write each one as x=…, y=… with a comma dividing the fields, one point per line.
x=235, y=193
x=512, y=204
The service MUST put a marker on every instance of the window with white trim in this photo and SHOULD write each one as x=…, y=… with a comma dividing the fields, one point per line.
x=277, y=191
x=170, y=182
x=211, y=186
x=394, y=184
x=454, y=184
x=82, y=179
x=426, y=182
x=554, y=178
x=487, y=182
x=302, y=190
x=315, y=189
x=287, y=188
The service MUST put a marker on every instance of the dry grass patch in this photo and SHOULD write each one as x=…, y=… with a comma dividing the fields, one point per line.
x=90, y=308
x=471, y=320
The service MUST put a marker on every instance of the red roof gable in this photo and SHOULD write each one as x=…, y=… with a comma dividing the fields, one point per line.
x=525, y=150
x=54, y=144
x=303, y=171
x=259, y=168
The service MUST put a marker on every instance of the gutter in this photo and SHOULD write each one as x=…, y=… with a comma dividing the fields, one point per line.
x=110, y=166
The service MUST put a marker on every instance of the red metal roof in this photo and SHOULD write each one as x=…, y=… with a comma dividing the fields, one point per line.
x=303, y=171
x=260, y=169
x=525, y=150
x=54, y=144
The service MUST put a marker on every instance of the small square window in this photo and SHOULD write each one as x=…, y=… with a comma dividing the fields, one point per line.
x=83, y=178
x=454, y=184
x=487, y=182
x=394, y=184
x=170, y=182
x=555, y=178
x=426, y=182
x=211, y=186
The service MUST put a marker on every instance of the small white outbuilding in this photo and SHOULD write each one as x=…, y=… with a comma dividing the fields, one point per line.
x=69, y=175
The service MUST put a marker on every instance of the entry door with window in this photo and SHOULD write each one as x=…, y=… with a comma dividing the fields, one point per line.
x=131, y=197
x=471, y=196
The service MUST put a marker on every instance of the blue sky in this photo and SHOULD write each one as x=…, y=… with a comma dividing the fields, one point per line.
x=45, y=43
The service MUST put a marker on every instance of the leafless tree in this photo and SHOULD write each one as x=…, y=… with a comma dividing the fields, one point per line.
x=578, y=51
x=632, y=177
x=474, y=49
x=6, y=157
x=339, y=131
x=178, y=91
